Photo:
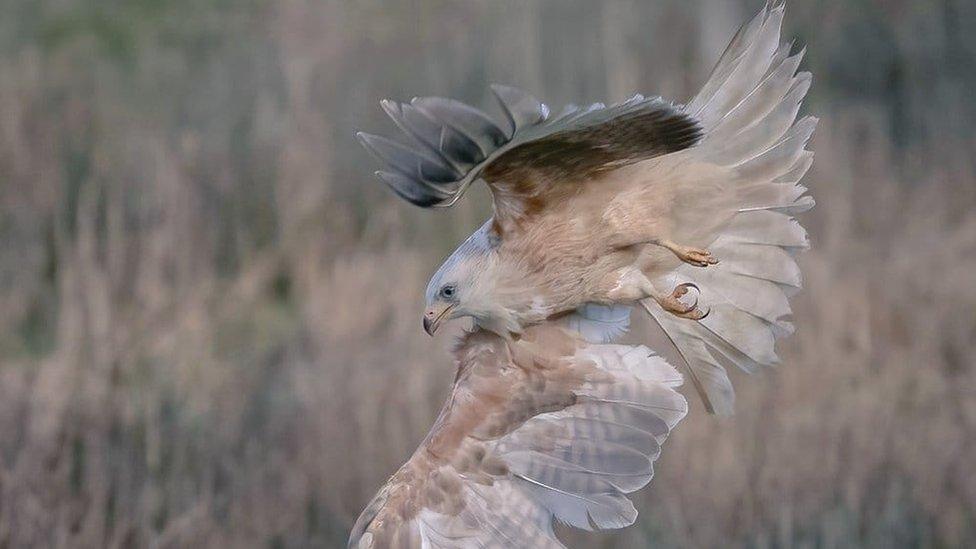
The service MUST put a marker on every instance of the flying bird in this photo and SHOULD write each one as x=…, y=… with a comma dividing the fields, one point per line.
x=643, y=202
x=548, y=426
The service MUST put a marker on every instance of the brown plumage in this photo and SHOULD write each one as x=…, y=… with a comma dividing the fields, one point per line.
x=594, y=210
x=536, y=175
x=685, y=210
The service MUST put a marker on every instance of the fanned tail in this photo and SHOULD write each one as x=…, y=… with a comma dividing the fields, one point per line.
x=748, y=109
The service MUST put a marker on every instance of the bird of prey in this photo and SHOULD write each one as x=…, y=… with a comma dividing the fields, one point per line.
x=546, y=426
x=639, y=202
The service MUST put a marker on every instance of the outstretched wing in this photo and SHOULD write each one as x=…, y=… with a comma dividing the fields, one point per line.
x=748, y=109
x=531, y=158
x=721, y=172
x=547, y=427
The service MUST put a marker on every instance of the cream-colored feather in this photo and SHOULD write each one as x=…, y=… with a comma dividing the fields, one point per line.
x=562, y=240
x=733, y=193
x=558, y=424
x=547, y=427
x=748, y=109
x=594, y=206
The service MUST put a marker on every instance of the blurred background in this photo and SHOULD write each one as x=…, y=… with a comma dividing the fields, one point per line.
x=210, y=310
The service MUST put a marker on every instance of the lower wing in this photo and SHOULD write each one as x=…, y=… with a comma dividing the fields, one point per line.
x=547, y=427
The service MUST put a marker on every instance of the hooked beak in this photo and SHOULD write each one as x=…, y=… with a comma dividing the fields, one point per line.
x=434, y=316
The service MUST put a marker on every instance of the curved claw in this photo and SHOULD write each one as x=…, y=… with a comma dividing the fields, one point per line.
x=680, y=309
x=687, y=308
x=689, y=285
x=698, y=257
x=693, y=314
x=681, y=289
x=697, y=314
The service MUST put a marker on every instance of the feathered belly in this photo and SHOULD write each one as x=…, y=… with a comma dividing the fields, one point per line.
x=563, y=282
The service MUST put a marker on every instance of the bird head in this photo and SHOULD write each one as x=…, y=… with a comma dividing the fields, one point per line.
x=467, y=285
x=444, y=300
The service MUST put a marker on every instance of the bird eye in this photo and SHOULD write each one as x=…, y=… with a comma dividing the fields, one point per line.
x=447, y=292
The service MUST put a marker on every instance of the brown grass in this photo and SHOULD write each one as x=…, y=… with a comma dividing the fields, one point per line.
x=209, y=314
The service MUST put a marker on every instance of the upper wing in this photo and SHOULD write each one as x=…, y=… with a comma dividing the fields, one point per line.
x=453, y=144
x=735, y=191
x=549, y=426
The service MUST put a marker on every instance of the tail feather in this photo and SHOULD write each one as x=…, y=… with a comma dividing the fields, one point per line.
x=777, y=84
x=748, y=109
x=740, y=69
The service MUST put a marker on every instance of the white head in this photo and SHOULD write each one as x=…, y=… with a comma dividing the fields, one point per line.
x=467, y=284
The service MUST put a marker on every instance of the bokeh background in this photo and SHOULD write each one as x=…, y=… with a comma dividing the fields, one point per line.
x=210, y=310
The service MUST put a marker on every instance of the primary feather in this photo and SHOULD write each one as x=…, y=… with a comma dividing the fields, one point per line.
x=452, y=144
x=547, y=427
x=581, y=198
x=558, y=423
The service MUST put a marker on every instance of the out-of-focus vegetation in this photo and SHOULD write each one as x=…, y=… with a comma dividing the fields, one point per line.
x=209, y=310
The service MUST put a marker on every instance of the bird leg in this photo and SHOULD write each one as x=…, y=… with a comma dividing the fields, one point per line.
x=633, y=285
x=692, y=256
x=672, y=302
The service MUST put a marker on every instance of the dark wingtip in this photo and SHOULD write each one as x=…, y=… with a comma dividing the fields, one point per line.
x=520, y=107
x=410, y=190
x=366, y=140
x=390, y=107
x=683, y=131
x=363, y=139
